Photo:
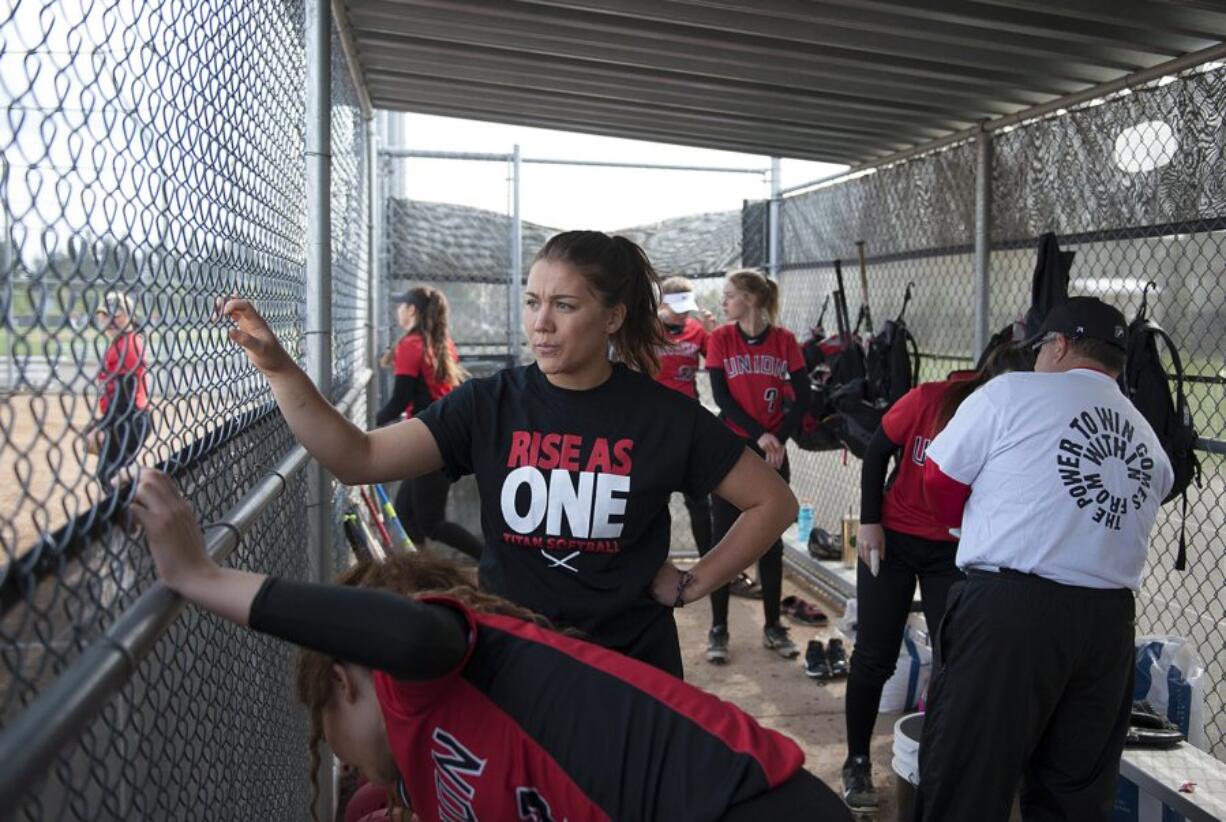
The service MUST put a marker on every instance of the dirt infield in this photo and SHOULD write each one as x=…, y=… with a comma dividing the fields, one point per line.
x=46, y=478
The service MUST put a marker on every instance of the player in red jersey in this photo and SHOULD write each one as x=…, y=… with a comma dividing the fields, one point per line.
x=427, y=368
x=123, y=422
x=911, y=543
x=679, y=365
x=474, y=709
x=752, y=361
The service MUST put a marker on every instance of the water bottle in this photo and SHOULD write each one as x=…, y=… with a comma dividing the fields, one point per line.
x=804, y=523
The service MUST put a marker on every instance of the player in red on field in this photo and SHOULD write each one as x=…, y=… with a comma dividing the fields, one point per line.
x=123, y=423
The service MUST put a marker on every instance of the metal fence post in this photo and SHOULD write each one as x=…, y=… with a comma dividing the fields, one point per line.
x=373, y=284
x=983, y=239
x=319, y=302
x=772, y=220
x=515, y=293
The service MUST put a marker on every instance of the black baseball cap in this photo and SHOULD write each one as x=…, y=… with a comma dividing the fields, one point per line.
x=1085, y=318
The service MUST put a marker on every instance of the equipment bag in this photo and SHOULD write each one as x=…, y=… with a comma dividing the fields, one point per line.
x=1146, y=382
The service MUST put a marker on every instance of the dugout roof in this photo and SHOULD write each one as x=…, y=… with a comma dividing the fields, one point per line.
x=838, y=80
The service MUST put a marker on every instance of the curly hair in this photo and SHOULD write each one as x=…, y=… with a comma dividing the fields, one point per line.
x=413, y=574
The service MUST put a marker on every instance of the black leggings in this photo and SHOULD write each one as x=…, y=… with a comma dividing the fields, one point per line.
x=421, y=504
x=882, y=605
x=121, y=441
x=803, y=798
x=770, y=564
x=700, y=521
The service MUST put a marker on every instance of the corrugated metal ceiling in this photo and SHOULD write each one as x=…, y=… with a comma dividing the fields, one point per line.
x=844, y=81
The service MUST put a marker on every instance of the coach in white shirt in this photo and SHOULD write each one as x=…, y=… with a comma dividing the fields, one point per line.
x=1057, y=479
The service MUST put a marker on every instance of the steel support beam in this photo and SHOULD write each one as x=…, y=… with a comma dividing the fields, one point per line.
x=773, y=226
x=515, y=293
x=318, y=140
x=983, y=242
x=374, y=284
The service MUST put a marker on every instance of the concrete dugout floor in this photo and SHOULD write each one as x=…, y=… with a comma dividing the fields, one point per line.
x=777, y=692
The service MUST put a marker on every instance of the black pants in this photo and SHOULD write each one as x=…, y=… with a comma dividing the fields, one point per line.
x=700, y=521
x=121, y=441
x=770, y=564
x=882, y=605
x=659, y=646
x=1033, y=683
x=421, y=504
x=803, y=798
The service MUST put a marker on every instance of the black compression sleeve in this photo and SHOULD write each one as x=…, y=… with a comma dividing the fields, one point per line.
x=800, y=384
x=873, y=469
x=403, y=393
x=378, y=629
x=730, y=408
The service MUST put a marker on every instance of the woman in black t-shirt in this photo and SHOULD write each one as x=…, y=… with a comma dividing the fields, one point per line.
x=575, y=455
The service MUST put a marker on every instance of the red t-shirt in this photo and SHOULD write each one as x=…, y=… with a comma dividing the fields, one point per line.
x=679, y=359
x=535, y=725
x=414, y=359
x=909, y=424
x=125, y=356
x=757, y=375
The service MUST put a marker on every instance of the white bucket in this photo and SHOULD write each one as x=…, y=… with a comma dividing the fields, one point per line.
x=907, y=732
x=906, y=747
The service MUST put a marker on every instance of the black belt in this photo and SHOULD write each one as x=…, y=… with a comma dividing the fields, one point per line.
x=1041, y=581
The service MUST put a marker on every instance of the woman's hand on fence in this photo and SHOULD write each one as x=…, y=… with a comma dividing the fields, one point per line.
x=253, y=334
x=870, y=537
x=177, y=545
x=175, y=539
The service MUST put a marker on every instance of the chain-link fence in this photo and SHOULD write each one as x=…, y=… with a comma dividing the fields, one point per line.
x=1135, y=184
x=153, y=159
x=462, y=250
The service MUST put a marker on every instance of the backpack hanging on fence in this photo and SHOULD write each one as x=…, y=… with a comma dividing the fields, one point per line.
x=1146, y=382
x=893, y=358
x=852, y=389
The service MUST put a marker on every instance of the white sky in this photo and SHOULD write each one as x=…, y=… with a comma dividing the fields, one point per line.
x=582, y=197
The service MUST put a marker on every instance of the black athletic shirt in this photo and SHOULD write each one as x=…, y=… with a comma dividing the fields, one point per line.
x=575, y=488
x=492, y=717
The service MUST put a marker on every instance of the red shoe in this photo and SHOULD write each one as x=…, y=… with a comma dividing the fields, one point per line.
x=804, y=612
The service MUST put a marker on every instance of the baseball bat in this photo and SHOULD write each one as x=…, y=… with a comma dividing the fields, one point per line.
x=392, y=521
x=376, y=519
x=868, y=312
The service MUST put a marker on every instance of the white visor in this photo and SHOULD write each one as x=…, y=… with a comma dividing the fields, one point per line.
x=681, y=303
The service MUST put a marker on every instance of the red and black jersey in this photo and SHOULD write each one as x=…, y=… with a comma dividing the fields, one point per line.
x=414, y=359
x=756, y=371
x=908, y=424
x=536, y=725
x=679, y=359
x=124, y=372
